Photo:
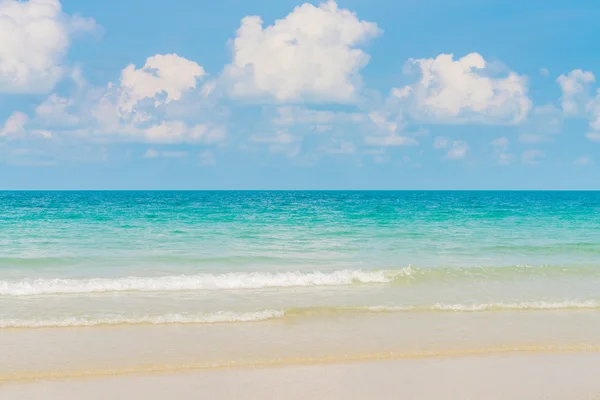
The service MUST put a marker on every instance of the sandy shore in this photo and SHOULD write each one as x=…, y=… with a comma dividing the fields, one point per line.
x=510, y=376
x=503, y=355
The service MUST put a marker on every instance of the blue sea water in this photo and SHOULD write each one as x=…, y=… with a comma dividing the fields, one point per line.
x=92, y=258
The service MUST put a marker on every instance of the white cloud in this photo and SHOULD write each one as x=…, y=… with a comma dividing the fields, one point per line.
x=402, y=92
x=310, y=55
x=133, y=106
x=532, y=157
x=35, y=38
x=15, y=125
x=579, y=99
x=583, y=161
x=132, y=109
x=575, y=91
x=464, y=91
x=168, y=75
x=458, y=150
x=55, y=110
x=382, y=122
x=207, y=158
x=135, y=109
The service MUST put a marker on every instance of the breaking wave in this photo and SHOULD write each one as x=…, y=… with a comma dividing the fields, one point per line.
x=236, y=280
x=258, y=280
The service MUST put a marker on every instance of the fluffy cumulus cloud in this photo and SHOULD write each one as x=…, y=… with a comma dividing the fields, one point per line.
x=464, y=90
x=312, y=54
x=133, y=109
x=315, y=54
x=576, y=87
x=580, y=100
x=163, y=78
x=35, y=38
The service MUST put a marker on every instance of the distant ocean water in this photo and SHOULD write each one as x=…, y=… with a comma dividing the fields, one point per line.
x=108, y=258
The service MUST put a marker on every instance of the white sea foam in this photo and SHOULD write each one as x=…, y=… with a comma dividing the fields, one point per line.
x=530, y=305
x=255, y=316
x=500, y=306
x=236, y=280
x=214, y=318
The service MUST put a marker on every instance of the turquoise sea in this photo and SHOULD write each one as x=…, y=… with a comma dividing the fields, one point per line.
x=109, y=258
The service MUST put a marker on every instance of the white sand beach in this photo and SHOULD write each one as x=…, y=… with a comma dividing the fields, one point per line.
x=498, y=355
x=509, y=376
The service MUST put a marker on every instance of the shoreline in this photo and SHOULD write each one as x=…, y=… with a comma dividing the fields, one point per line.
x=528, y=376
x=63, y=353
x=158, y=370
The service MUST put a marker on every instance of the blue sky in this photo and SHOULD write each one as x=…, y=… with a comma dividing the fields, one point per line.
x=283, y=94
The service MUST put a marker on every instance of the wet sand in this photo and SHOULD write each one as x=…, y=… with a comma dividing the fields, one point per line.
x=509, y=376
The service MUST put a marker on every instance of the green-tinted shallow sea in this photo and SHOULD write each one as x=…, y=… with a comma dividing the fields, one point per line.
x=109, y=258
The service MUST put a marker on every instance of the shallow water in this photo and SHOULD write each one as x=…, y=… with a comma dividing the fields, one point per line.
x=109, y=258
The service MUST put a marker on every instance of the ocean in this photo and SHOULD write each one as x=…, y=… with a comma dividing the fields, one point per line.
x=81, y=259
x=96, y=283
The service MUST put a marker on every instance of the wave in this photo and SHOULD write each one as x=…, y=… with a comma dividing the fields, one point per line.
x=221, y=317
x=214, y=318
x=234, y=280
x=450, y=307
x=258, y=280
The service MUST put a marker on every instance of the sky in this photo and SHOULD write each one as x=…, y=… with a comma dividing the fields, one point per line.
x=281, y=94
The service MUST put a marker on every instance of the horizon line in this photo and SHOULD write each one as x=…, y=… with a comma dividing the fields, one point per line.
x=300, y=190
